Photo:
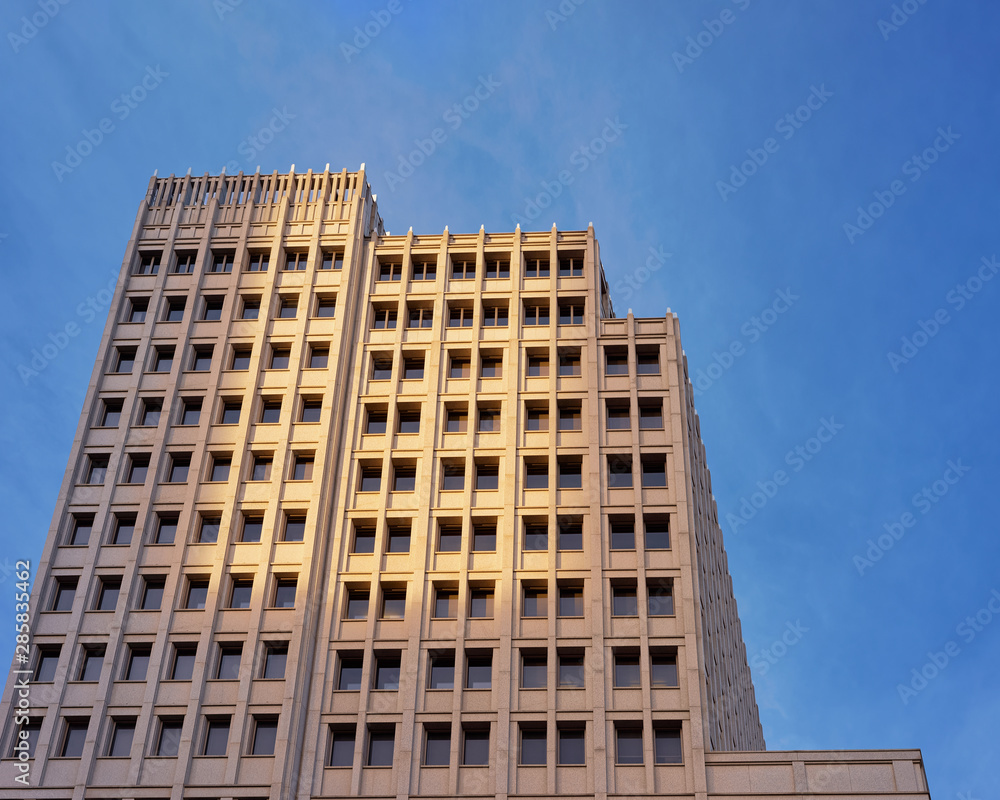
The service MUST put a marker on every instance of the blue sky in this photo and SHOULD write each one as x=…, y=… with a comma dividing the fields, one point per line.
x=820, y=181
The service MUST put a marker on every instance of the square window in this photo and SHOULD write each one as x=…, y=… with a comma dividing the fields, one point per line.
x=27, y=731
x=481, y=603
x=251, y=308
x=497, y=268
x=280, y=356
x=571, y=313
x=424, y=270
x=342, y=747
x=185, y=262
x=81, y=528
x=534, y=671
x=166, y=528
x=384, y=318
x=479, y=671
x=647, y=362
x=387, y=271
x=92, y=664
x=484, y=537
x=571, y=674
x=302, y=467
x=491, y=367
x=371, y=479
x=174, y=311
x=437, y=747
x=169, y=739
x=663, y=670
x=375, y=422
x=259, y=262
x=441, y=674
x=270, y=412
x=571, y=601
x=628, y=745
x=449, y=538
x=150, y=414
x=111, y=412
x=253, y=527
x=120, y=743
x=409, y=420
x=569, y=363
x=152, y=593
x=357, y=605
x=651, y=416
x=137, y=664
x=288, y=306
x=536, y=314
x=230, y=656
x=489, y=420
x=265, y=735
x=349, y=677
x=657, y=534
x=65, y=593
x=626, y=671
x=190, y=410
x=182, y=667
x=624, y=602
x=536, y=475
x=149, y=263
x=420, y=318
x=445, y=604
x=619, y=415
x=231, y=412
x=413, y=368
x=296, y=261
x=536, y=267
x=387, y=673
x=570, y=418
x=667, y=746
x=180, y=464
x=487, y=477
x=404, y=479
x=295, y=528
x=622, y=535
x=381, y=743
x=463, y=268
x=197, y=594
x=393, y=604
x=494, y=316
x=107, y=594
x=241, y=593
x=571, y=267
x=476, y=747
x=222, y=262
x=536, y=536
x=45, y=667
x=326, y=307
x=241, y=359
x=74, y=738
x=212, y=310
x=138, y=468
x=615, y=362
x=364, y=539
x=208, y=532
x=399, y=538
x=124, y=529
x=660, y=593
x=124, y=360
x=570, y=474
x=220, y=468
x=202, y=360
x=620, y=472
x=570, y=533
x=97, y=470
x=163, y=359
x=332, y=259
x=538, y=366
x=457, y=420
x=536, y=601
x=533, y=747
x=458, y=367
x=261, y=469
x=572, y=746
x=453, y=476
x=136, y=309
x=216, y=737
x=319, y=357
x=654, y=472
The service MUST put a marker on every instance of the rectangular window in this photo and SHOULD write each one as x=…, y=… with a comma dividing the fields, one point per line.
x=230, y=412
x=387, y=672
x=657, y=534
x=149, y=415
x=571, y=313
x=569, y=363
x=459, y=317
x=166, y=528
x=296, y=261
x=107, y=594
x=251, y=308
x=364, y=538
x=326, y=307
x=208, y=531
x=184, y=264
x=476, y=746
x=536, y=601
x=149, y=263
x=384, y=318
x=168, y=740
x=663, y=670
x=651, y=416
x=220, y=468
x=241, y=593
x=479, y=671
x=538, y=366
x=453, y=476
x=137, y=307
x=647, y=362
x=413, y=368
x=626, y=671
x=74, y=738
x=570, y=418
x=533, y=746
x=572, y=745
x=494, y=316
x=404, y=479
x=615, y=362
x=152, y=593
x=163, y=359
x=124, y=360
x=261, y=469
x=570, y=474
x=463, y=268
x=420, y=317
x=371, y=479
x=332, y=259
x=222, y=262
x=536, y=314
x=342, y=746
x=437, y=746
x=409, y=420
x=536, y=267
x=654, y=472
x=660, y=593
x=92, y=664
x=375, y=422
x=481, y=603
x=81, y=527
x=619, y=415
x=180, y=464
x=295, y=527
x=357, y=604
x=65, y=593
x=497, y=268
x=280, y=357
x=628, y=744
x=458, y=367
x=174, y=311
x=201, y=360
x=393, y=604
x=302, y=467
x=381, y=367
x=45, y=667
x=197, y=594
x=319, y=357
x=489, y=420
x=484, y=537
x=667, y=745
x=487, y=477
x=622, y=534
x=536, y=536
x=399, y=538
x=124, y=529
x=571, y=675
x=212, y=309
x=491, y=367
x=536, y=418
x=381, y=744
x=445, y=604
x=120, y=742
x=424, y=270
x=288, y=306
x=241, y=359
x=624, y=602
x=390, y=272
x=265, y=735
x=349, y=673
x=96, y=470
x=182, y=666
x=571, y=601
x=270, y=412
x=259, y=262
x=137, y=664
x=620, y=471
x=441, y=672
x=190, y=410
x=571, y=267
x=536, y=475
x=534, y=670
x=228, y=666
x=216, y=736
x=570, y=533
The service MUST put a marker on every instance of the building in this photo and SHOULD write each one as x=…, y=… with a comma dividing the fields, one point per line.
x=354, y=514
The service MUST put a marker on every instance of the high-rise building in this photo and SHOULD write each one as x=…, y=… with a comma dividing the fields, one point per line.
x=354, y=514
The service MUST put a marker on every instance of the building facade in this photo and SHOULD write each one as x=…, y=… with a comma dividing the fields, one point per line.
x=354, y=514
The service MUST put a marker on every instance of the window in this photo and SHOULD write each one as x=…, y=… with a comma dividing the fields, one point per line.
x=571, y=671
x=413, y=368
x=422, y=317
x=332, y=259
x=197, y=594
x=92, y=663
x=409, y=420
x=463, y=268
x=538, y=366
x=201, y=360
x=615, y=362
x=182, y=666
x=342, y=746
x=660, y=593
x=65, y=592
x=222, y=262
x=571, y=267
x=654, y=472
x=138, y=662
x=261, y=469
x=302, y=467
x=216, y=736
x=489, y=420
x=393, y=603
x=570, y=474
x=230, y=656
x=180, y=464
x=619, y=415
x=381, y=742
x=384, y=318
x=572, y=745
x=399, y=538
x=251, y=308
x=441, y=672
x=241, y=359
x=296, y=261
x=536, y=314
x=280, y=357
x=620, y=472
x=184, y=264
x=208, y=532
x=253, y=527
x=27, y=731
x=270, y=412
x=570, y=601
x=476, y=746
x=74, y=737
x=404, y=478
x=479, y=671
x=390, y=272
x=175, y=309
x=387, y=672
x=487, y=477
x=166, y=528
x=536, y=536
x=491, y=367
x=449, y=537
x=571, y=313
x=326, y=306
x=152, y=593
x=457, y=420
x=534, y=670
x=120, y=742
x=663, y=669
x=536, y=418
x=123, y=530
x=45, y=668
x=295, y=527
x=570, y=533
x=647, y=362
x=169, y=739
x=349, y=677
x=371, y=479
x=149, y=264
x=212, y=311
x=657, y=534
x=375, y=422
x=569, y=417
x=533, y=747
x=496, y=268
x=481, y=603
x=424, y=270
x=96, y=470
x=381, y=367
x=137, y=307
x=357, y=605
x=622, y=534
x=624, y=602
x=241, y=592
x=458, y=367
x=453, y=476
x=651, y=416
x=667, y=745
x=536, y=266
x=124, y=360
x=319, y=357
x=484, y=537
x=265, y=735
x=536, y=601
x=364, y=538
x=107, y=594
x=445, y=604
x=81, y=527
x=626, y=671
x=163, y=359
x=230, y=412
x=569, y=363
x=288, y=306
x=628, y=744
x=190, y=410
x=437, y=746
x=150, y=414
x=494, y=316
x=259, y=262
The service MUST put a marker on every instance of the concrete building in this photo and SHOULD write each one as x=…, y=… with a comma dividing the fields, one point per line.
x=354, y=514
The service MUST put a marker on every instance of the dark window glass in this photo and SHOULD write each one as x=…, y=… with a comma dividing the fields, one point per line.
x=349, y=679
x=533, y=747
x=667, y=745
x=572, y=747
x=626, y=671
x=571, y=674
x=663, y=669
x=442, y=672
